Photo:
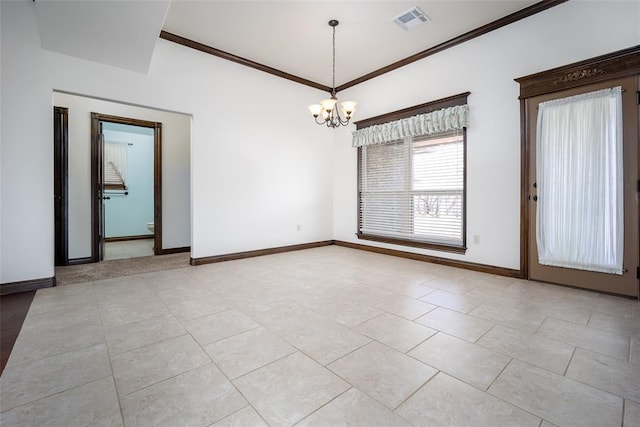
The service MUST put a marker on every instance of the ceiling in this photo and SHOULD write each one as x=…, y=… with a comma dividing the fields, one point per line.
x=291, y=36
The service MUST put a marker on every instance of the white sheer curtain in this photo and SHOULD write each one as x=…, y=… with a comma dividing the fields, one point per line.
x=580, y=212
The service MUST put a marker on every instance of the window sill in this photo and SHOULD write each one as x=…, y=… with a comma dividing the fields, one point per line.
x=413, y=243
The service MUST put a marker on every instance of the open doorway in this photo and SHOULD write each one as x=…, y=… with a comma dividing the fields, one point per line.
x=79, y=205
x=127, y=176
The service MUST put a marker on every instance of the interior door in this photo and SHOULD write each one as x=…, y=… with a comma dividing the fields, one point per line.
x=627, y=283
x=100, y=192
x=60, y=184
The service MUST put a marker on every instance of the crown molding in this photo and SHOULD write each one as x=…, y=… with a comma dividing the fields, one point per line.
x=239, y=60
x=499, y=23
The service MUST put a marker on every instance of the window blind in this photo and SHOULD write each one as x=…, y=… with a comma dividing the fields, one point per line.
x=413, y=189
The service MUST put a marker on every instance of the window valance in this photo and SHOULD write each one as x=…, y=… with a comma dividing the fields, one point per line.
x=446, y=119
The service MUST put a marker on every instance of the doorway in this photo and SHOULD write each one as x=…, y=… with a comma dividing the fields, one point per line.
x=569, y=84
x=112, y=175
x=61, y=185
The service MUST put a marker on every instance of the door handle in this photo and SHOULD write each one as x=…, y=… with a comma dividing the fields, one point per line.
x=106, y=198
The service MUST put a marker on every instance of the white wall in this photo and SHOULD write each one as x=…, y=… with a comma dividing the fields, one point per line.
x=486, y=67
x=176, y=129
x=259, y=165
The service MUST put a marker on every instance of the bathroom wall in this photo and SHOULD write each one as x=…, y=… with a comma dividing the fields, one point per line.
x=128, y=215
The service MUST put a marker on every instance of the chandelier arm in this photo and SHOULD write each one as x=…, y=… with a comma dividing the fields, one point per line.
x=340, y=120
x=319, y=122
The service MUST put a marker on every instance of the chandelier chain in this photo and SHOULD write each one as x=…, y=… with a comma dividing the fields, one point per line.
x=333, y=87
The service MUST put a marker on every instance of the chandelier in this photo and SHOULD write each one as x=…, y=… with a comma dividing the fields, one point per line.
x=326, y=113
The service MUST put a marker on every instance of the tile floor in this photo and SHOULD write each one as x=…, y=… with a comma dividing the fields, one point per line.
x=323, y=337
x=128, y=249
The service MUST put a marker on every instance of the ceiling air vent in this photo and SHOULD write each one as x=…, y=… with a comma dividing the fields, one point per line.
x=412, y=18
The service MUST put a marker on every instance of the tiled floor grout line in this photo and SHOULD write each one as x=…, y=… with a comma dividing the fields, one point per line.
x=624, y=398
x=423, y=341
x=506, y=401
x=477, y=342
x=57, y=393
x=270, y=363
x=564, y=374
x=232, y=384
x=106, y=347
x=325, y=404
x=417, y=389
x=500, y=373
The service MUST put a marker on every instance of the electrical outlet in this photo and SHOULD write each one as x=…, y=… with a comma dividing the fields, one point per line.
x=298, y=227
x=476, y=239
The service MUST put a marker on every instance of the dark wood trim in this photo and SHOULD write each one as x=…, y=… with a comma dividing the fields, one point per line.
x=464, y=189
x=175, y=250
x=125, y=120
x=258, y=252
x=413, y=243
x=483, y=268
x=499, y=23
x=428, y=107
x=239, y=60
x=27, y=285
x=611, y=66
x=127, y=238
x=595, y=291
x=157, y=188
x=77, y=261
x=96, y=118
x=451, y=101
x=618, y=64
x=95, y=181
x=524, y=191
x=61, y=184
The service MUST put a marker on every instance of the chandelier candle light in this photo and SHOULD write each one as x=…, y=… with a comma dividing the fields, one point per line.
x=327, y=107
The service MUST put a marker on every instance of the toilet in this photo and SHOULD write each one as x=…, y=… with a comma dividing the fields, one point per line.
x=150, y=227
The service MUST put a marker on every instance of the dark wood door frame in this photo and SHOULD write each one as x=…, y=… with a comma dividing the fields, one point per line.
x=61, y=184
x=96, y=118
x=611, y=66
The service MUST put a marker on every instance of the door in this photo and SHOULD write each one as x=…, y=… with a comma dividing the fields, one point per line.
x=60, y=184
x=627, y=283
x=98, y=205
x=97, y=179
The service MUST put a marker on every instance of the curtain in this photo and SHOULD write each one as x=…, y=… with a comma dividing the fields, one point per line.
x=446, y=119
x=580, y=212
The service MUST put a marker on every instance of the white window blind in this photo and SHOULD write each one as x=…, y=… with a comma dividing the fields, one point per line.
x=413, y=189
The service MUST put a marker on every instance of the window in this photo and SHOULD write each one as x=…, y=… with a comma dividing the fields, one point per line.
x=115, y=165
x=412, y=189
